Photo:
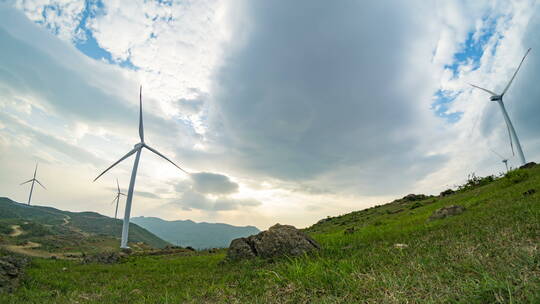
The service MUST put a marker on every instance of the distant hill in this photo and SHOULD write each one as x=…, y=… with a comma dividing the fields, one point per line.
x=197, y=235
x=60, y=231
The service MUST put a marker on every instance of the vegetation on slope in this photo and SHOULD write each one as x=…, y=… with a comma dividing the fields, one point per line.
x=488, y=254
x=62, y=231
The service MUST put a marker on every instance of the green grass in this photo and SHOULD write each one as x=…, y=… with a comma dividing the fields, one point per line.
x=488, y=254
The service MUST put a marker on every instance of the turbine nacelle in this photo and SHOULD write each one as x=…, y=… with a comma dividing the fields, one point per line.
x=496, y=98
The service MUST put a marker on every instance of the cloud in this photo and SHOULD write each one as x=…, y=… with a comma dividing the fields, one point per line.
x=195, y=200
x=212, y=183
x=304, y=98
x=147, y=194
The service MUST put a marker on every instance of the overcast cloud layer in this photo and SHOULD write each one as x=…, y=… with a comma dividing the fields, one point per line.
x=281, y=111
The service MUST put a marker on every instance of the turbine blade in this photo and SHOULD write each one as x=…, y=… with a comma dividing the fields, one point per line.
x=151, y=149
x=35, y=170
x=141, y=129
x=117, y=185
x=27, y=181
x=510, y=138
x=497, y=154
x=114, y=200
x=485, y=90
x=122, y=194
x=121, y=159
x=515, y=73
x=41, y=184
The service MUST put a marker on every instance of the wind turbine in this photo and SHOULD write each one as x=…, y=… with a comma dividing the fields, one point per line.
x=499, y=99
x=504, y=160
x=136, y=149
x=33, y=180
x=117, y=199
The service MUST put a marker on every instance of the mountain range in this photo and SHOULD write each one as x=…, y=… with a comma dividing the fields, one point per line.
x=197, y=235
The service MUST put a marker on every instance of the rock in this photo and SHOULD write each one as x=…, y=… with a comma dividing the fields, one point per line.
x=446, y=212
x=349, y=230
x=447, y=192
x=11, y=271
x=528, y=165
x=394, y=211
x=104, y=258
x=529, y=192
x=413, y=197
x=401, y=246
x=278, y=240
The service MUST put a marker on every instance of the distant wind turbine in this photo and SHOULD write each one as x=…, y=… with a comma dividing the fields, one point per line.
x=117, y=199
x=499, y=99
x=33, y=180
x=503, y=159
x=136, y=149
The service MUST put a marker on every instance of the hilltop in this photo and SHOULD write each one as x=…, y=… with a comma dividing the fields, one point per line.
x=46, y=231
x=393, y=253
x=197, y=235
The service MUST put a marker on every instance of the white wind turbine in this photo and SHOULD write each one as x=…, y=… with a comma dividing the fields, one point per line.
x=117, y=199
x=136, y=149
x=503, y=159
x=499, y=99
x=33, y=180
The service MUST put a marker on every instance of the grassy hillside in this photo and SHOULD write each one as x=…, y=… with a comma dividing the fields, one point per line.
x=488, y=254
x=62, y=231
x=196, y=235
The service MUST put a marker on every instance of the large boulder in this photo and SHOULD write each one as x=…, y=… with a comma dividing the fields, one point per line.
x=446, y=212
x=11, y=271
x=278, y=240
x=528, y=165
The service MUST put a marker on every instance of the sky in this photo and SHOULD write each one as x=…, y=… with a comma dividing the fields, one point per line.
x=281, y=111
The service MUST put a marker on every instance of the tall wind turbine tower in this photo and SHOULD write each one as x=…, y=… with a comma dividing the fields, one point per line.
x=117, y=199
x=33, y=180
x=499, y=99
x=136, y=149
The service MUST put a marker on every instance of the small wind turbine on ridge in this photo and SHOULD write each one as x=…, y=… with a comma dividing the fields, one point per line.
x=136, y=149
x=33, y=180
x=503, y=159
x=499, y=99
x=117, y=199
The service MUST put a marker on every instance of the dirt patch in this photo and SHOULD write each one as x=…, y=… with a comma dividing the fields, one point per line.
x=16, y=231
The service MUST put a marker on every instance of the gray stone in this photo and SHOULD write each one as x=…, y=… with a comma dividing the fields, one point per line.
x=11, y=271
x=528, y=165
x=446, y=212
x=278, y=240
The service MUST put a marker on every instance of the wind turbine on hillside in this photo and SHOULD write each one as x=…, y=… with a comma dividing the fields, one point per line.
x=503, y=159
x=499, y=99
x=117, y=199
x=136, y=149
x=33, y=180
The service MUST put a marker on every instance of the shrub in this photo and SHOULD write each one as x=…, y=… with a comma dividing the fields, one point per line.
x=515, y=176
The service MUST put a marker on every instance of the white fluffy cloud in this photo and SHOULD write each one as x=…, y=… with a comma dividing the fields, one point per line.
x=306, y=108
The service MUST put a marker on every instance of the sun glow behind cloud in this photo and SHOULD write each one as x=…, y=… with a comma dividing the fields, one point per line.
x=348, y=116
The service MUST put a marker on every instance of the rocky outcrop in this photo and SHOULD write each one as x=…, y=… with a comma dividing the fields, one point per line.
x=278, y=240
x=528, y=165
x=447, y=192
x=446, y=212
x=104, y=258
x=11, y=271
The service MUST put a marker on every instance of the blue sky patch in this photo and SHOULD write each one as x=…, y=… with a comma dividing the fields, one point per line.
x=470, y=53
x=88, y=45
